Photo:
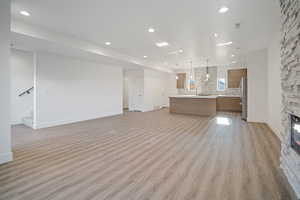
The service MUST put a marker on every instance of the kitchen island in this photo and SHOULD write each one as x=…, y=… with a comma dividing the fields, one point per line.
x=195, y=105
x=204, y=105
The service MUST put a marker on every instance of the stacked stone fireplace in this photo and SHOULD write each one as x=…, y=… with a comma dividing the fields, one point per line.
x=290, y=77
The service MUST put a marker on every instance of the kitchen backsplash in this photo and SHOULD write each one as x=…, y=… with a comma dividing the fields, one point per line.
x=210, y=87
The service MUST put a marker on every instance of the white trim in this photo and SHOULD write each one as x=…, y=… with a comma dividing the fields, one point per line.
x=71, y=121
x=6, y=157
x=277, y=132
x=250, y=120
x=16, y=122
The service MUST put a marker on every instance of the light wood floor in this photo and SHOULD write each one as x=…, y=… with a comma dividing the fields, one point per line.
x=139, y=156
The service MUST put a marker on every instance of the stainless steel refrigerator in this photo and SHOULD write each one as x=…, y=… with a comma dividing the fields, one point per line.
x=244, y=99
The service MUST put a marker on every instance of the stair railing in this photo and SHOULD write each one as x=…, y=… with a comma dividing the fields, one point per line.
x=28, y=91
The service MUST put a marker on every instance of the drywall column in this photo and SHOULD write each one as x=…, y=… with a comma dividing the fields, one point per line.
x=257, y=64
x=5, y=137
x=34, y=120
x=274, y=86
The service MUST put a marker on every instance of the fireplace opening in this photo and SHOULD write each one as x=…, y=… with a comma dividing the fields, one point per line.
x=295, y=133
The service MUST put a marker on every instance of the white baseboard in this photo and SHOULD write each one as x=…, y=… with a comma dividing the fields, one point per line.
x=277, y=132
x=256, y=120
x=6, y=157
x=64, y=122
x=16, y=122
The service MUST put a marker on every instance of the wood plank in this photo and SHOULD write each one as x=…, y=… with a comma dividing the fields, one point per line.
x=181, y=79
x=194, y=106
x=138, y=156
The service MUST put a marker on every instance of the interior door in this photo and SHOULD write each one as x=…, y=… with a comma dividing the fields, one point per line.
x=139, y=94
x=136, y=93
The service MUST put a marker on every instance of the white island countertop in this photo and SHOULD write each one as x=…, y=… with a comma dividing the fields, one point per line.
x=195, y=96
x=202, y=97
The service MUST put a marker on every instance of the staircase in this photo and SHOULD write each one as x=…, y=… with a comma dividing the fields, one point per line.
x=28, y=121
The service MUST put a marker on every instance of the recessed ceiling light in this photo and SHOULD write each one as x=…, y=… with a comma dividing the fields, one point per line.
x=107, y=43
x=224, y=44
x=151, y=30
x=180, y=51
x=223, y=9
x=232, y=55
x=216, y=34
x=145, y=56
x=25, y=13
x=162, y=44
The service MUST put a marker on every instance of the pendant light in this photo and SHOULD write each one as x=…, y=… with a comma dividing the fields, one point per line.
x=207, y=72
x=191, y=72
x=192, y=82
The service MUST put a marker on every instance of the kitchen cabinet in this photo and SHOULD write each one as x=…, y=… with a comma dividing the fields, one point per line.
x=193, y=105
x=229, y=104
x=181, y=79
x=234, y=77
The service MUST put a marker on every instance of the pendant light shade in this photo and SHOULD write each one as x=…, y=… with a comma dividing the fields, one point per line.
x=207, y=71
x=192, y=81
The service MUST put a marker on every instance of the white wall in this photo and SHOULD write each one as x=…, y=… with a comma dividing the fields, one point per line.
x=21, y=80
x=5, y=137
x=158, y=86
x=274, y=86
x=171, y=86
x=70, y=90
x=257, y=64
x=149, y=89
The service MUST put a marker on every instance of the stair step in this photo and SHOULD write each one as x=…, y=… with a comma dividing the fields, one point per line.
x=28, y=121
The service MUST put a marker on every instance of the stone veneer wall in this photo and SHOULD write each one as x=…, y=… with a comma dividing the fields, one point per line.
x=290, y=81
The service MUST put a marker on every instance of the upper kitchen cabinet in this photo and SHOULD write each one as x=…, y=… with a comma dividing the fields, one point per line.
x=181, y=78
x=235, y=76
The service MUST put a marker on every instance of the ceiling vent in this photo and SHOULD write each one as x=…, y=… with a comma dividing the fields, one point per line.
x=237, y=25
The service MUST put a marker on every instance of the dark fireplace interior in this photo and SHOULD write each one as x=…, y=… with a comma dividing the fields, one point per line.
x=295, y=128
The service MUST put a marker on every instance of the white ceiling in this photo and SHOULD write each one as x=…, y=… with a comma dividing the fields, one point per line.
x=187, y=25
